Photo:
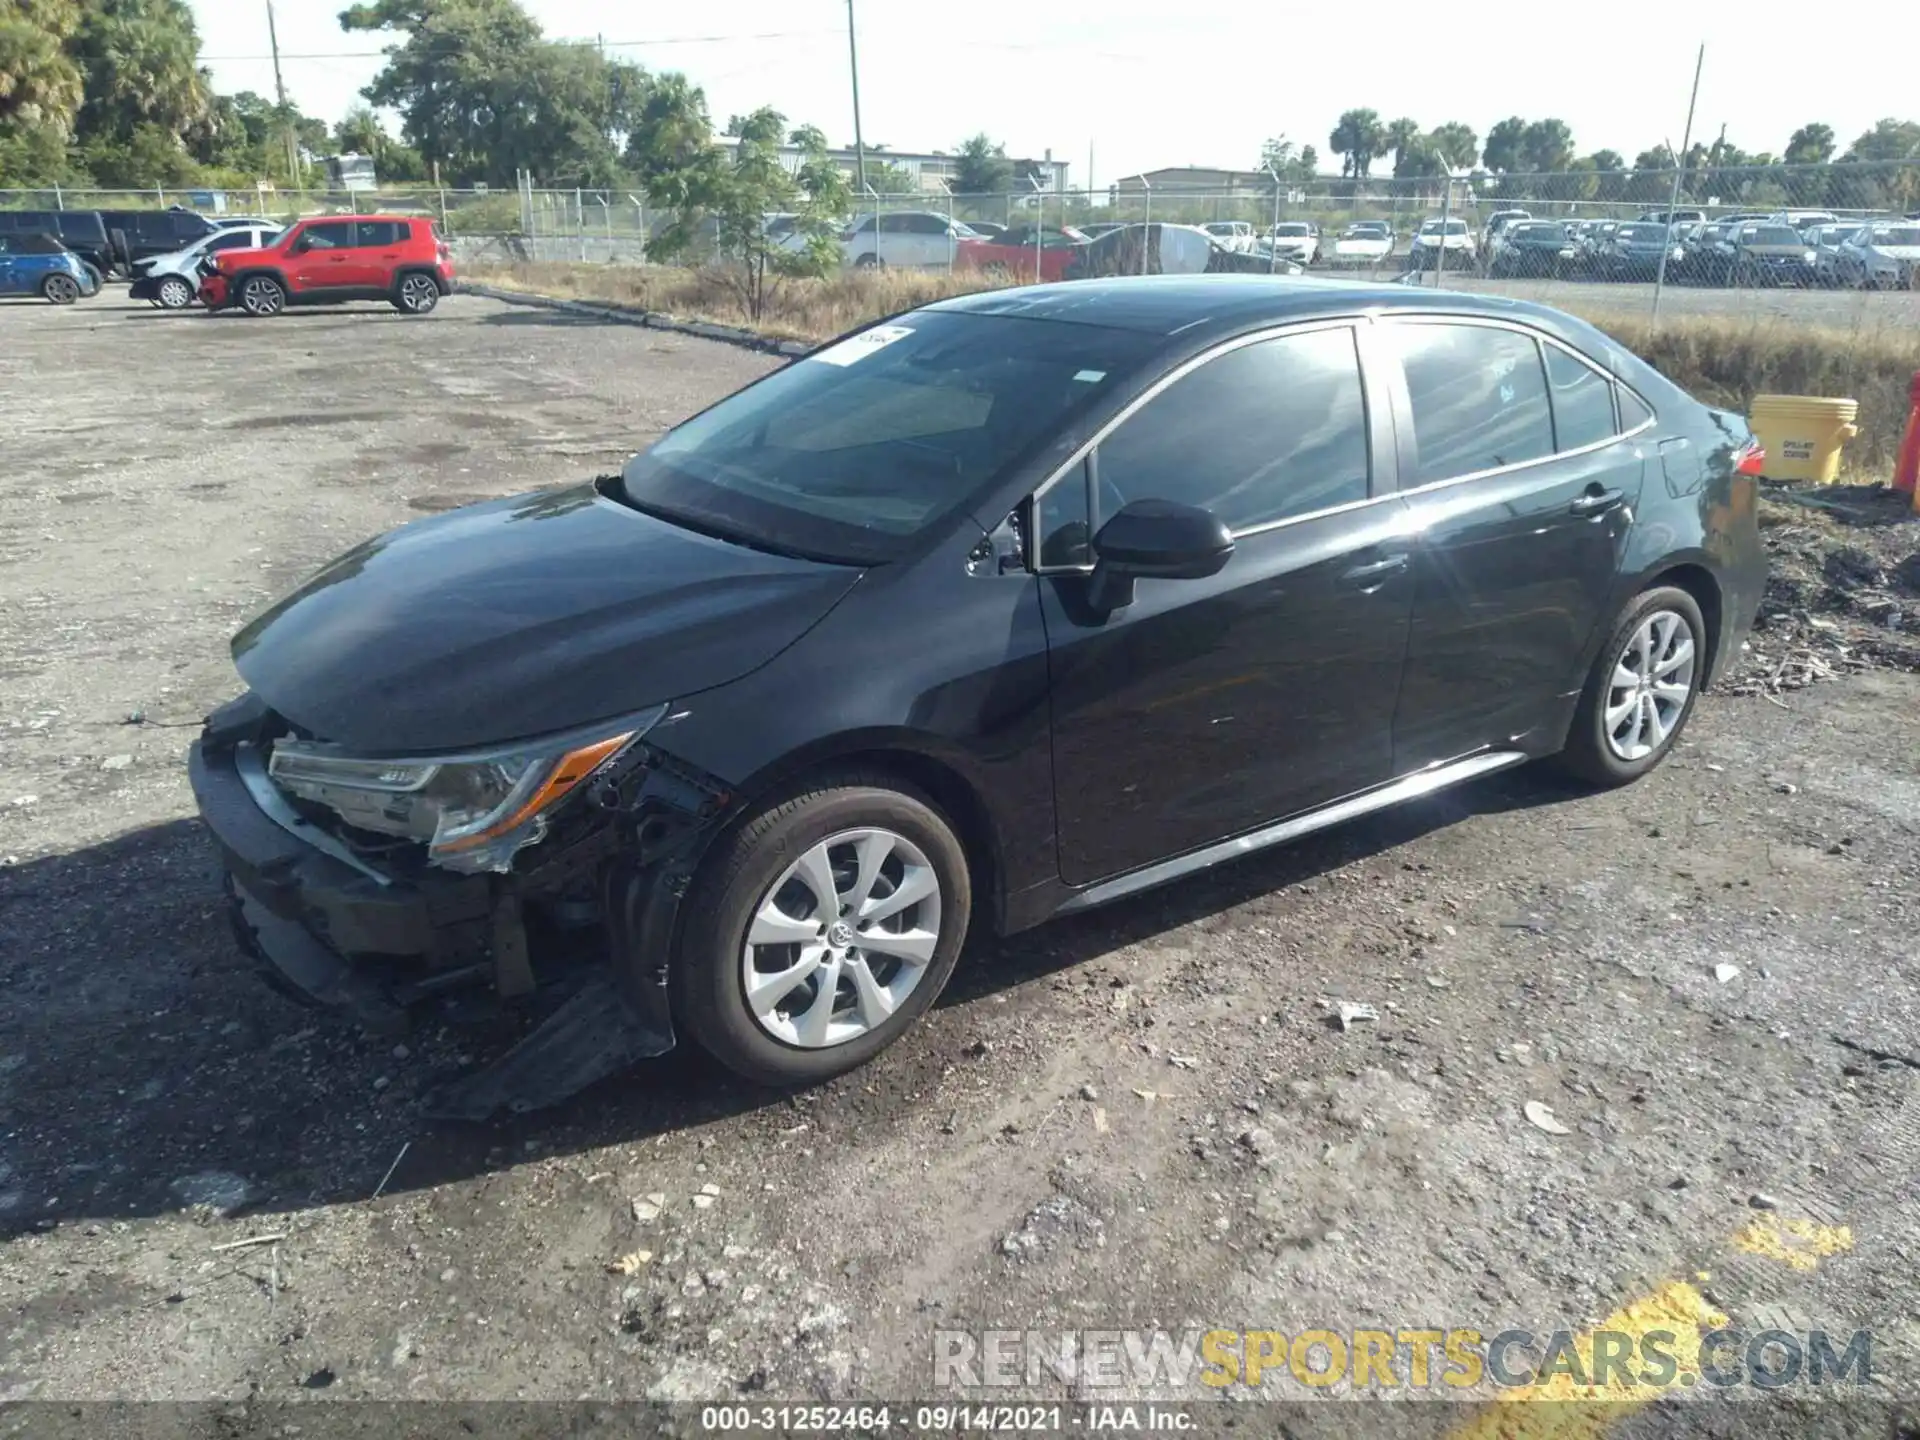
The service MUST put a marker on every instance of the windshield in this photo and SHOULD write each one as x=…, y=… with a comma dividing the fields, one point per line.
x=1774, y=235
x=1289, y=227
x=1366, y=231
x=1454, y=227
x=850, y=453
x=1642, y=232
x=1551, y=234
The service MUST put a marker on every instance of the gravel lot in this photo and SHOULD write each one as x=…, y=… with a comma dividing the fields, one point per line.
x=1144, y=1116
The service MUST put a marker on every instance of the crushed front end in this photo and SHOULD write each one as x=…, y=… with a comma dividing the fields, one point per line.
x=546, y=872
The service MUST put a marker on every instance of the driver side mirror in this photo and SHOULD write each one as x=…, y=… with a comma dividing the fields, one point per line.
x=1154, y=540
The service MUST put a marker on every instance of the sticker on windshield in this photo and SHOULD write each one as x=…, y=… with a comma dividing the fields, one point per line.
x=1090, y=377
x=855, y=349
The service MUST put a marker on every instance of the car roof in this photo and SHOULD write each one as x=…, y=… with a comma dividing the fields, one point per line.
x=1221, y=304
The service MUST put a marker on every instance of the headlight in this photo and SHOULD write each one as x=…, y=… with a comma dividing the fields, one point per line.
x=474, y=811
x=1811, y=256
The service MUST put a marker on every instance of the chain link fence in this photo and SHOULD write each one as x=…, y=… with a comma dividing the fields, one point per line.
x=1838, y=226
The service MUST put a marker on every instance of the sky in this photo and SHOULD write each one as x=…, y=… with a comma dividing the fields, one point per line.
x=1148, y=83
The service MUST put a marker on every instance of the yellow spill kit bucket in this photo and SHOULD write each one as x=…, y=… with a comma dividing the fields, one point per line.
x=1802, y=435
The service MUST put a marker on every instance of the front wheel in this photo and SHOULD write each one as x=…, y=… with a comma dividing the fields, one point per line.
x=1641, y=689
x=262, y=295
x=60, y=289
x=868, y=261
x=821, y=929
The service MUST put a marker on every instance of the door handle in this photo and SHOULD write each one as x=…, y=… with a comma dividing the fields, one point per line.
x=1596, y=502
x=336, y=259
x=1374, y=572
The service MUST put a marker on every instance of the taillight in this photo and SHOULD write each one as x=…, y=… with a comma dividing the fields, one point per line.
x=1751, y=461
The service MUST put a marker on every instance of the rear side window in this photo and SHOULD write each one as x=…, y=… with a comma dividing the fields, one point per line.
x=1479, y=398
x=1633, y=412
x=1582, y=401
x=232, y=240
x=1267, y=432
x=78, y=225
x=381, y=232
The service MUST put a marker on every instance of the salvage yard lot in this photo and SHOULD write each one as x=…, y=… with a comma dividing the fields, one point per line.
x=1143, y=1116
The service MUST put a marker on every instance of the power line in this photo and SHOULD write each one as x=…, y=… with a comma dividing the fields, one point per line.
x=596, y=44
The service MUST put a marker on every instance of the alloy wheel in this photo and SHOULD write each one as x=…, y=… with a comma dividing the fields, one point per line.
x=1651, y=683
x=419, y=293
x=61, y=289
x=175, y=293
x=261, y=296
x=841, y=939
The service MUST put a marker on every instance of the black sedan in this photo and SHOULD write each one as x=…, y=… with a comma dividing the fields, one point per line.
x=1002, y=608
x=1636, y=252
x=1534, y=249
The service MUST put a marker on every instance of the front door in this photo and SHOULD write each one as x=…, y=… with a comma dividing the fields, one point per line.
x=8, y=283
x=1207, y=707
x=1520, y=491
x=322, y=258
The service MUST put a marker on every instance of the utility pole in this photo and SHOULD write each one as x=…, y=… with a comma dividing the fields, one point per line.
x=859, y=144
x=280, y=93
x=1679, y=173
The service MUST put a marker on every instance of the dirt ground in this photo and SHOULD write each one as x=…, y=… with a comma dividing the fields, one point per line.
x=1146, y=1116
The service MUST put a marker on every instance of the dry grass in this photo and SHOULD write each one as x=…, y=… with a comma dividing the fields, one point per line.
x=1724, y=360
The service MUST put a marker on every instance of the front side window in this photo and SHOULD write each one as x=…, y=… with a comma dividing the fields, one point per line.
x=328, y=235
x=1479, y=398
x=853, y=451
x=1266, y=432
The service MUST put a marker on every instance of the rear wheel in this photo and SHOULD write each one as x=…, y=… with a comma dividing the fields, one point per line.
x=174, y=292
x=416, y=294
x=821, y=930
x=262, y=295
x=60, y=289
x=1641, y=689
x=868, y=261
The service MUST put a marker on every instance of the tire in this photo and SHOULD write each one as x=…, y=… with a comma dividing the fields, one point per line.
x=174, y=292
x=262, y=295
x=760, y=869
x=60, y=289
x=868, y=261
x=416, y=294
x=1609, y=744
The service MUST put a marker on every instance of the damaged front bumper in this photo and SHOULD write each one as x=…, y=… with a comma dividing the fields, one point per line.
x=370, y=940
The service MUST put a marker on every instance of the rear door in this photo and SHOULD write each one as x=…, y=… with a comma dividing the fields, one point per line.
x=377, y=252
x=320, y=260
x=1521, y=491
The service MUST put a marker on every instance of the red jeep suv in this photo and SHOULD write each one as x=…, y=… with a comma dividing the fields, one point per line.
x=323, y=261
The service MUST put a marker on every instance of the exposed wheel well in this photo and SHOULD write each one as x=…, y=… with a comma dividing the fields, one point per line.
x=940, y=783
x=1698, y=582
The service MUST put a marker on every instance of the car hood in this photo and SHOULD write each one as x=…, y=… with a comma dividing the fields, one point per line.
x=523, y=616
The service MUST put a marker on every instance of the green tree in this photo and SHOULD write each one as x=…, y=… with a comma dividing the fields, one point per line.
x=981, y=167
x=1810, y=145
x=1398, y=136
x=734, y=193
x=481, y=91
x=671, y=135
x=140, y=59
x=1503, y=152
x=1457, y=144
x=1610, y=174
x=1419, y=159
x=1358, y=138
x=1546, y=146
x=1887, y=140
x=40, y=86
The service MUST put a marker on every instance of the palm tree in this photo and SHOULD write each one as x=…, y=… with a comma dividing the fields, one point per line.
x=1457, y=144
x=1358, y=138
x=1400, y=136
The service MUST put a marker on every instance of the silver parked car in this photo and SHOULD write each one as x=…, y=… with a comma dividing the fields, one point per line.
x=1882, y=256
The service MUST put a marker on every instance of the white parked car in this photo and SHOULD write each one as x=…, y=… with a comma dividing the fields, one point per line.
x=173, y=281
x=1881, y=257
x=1448, y=237
x=908, y=239
x=1296, y=240
x=1234, y=234
x=1365, y=242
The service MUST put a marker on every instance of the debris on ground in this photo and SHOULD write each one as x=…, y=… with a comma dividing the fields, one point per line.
x=631, y=1263
x=1542, y=1118
x=1843, y=587
x=1057, y=1218
x=1724, y=972
x=1349, y=1014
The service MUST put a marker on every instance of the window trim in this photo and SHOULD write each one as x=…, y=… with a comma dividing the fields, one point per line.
x=1493, y=322
x=1378, y=415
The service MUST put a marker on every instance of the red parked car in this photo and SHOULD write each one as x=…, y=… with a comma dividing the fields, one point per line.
x=1013, y=251
x=330, y=259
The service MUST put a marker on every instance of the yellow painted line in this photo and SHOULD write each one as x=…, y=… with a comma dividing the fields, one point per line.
x=1802, y=1244
x=1583, y=1412
x=1587, y=1412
